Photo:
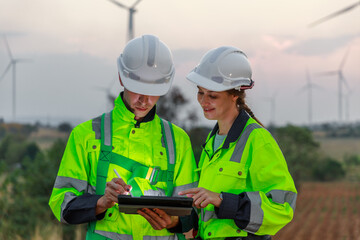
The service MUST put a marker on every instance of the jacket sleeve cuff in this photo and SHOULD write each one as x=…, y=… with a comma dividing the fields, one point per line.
x=236, y=207
x=82, y=209
x=176, y=229
x=228, y=206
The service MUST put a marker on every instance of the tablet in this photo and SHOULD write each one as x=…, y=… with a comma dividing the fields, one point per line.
x=173, y=206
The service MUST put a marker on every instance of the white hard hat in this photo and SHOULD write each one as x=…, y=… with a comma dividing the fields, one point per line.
x=146, y=66
x=222, y=69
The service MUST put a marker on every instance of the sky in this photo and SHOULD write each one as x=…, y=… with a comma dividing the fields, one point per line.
x=71, y=48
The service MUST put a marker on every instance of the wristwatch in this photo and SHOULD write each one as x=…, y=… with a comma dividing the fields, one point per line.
x=221, y=196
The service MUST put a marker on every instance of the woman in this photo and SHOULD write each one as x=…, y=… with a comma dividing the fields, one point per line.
x=245, y=189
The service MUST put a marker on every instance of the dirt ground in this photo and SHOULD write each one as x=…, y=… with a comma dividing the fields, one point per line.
x=325, y=211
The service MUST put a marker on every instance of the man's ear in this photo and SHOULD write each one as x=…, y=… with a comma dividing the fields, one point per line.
x=120, y=81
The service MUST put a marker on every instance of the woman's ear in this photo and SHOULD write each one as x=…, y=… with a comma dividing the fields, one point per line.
x=235, y=98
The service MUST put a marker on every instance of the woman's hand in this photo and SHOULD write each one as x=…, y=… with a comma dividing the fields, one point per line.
x=202, y=197
x=158, y=218
x=113, y=188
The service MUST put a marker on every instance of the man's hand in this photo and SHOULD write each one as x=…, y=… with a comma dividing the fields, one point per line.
x=202, y=197
x=158, y=218
x=113, y=188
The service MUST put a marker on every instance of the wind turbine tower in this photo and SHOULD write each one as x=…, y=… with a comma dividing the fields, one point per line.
x=309, y=88
x=131, y=10
x=347, y=107
x=272, y=101
x=341, y=82
x=12, y=64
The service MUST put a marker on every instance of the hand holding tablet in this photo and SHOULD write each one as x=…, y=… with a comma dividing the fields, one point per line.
x=173, y=206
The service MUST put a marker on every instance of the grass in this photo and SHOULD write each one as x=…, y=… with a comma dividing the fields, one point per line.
x=337, y=148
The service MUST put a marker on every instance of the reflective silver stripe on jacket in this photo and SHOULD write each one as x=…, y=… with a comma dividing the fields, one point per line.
x=67, y=198
x=114, y=236
x=172, y=237
x=178, y=189
x=256, y=212
x=207, y=215
x=169, y=141
x=151, y=192
x=107, y=129
x=96, y=127
x=91, y=189
x=240, y=145
x=281, y=196
x=78, y=185
x=117, y=236
x=68, y=182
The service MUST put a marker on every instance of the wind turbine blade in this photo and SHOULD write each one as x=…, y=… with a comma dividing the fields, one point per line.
x=302, y=89
x=6, y=70
x=345, y=82
x=119, y=4
x=136, y=3
x=22, y=60
x=8, y=48
x=344, y=58
x=344, y=10
x=329, y=73
x=313, y=85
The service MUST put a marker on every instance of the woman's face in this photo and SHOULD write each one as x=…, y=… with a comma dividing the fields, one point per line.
x=216, y=105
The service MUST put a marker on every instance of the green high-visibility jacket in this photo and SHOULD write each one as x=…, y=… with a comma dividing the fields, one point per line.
x=142, y=143
x=250, y=171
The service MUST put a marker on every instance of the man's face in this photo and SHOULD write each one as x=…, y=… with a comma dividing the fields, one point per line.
x=139, y=104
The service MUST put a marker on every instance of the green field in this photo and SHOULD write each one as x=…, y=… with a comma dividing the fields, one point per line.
x=337, y=148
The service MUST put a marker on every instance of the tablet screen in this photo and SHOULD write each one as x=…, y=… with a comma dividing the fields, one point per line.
x=174, y=206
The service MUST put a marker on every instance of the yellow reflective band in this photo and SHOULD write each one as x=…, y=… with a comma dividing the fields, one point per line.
x=149, y=173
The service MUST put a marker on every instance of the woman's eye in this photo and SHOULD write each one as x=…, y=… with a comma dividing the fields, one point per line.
x=212, y=97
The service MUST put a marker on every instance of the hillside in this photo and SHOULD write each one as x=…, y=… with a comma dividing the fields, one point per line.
x=45, y=136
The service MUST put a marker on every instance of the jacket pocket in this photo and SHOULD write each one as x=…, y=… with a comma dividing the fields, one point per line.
x=112, y=214
x=233, y=175
x=92, y=147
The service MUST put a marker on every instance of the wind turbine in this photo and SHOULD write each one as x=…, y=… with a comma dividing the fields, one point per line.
x=132, y=10
x=335, y=14
x=341, y=81
x=12, y=64
x=110, y=97
x=309, y=87
x=272, y=101
x=347, y=103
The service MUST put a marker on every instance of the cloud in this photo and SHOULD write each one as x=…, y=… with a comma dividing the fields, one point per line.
x=279, y=42
x=320, y=46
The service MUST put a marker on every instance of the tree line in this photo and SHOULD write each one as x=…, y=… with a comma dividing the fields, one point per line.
x=27, y=172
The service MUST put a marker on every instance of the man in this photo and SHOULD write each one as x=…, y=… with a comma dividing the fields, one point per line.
x=151, y=155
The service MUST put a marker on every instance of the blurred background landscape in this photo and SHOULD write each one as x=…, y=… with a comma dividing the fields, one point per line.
x=58, y=69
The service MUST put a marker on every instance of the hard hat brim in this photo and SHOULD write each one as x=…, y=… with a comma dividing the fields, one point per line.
x=212, y=85
x=143, y=88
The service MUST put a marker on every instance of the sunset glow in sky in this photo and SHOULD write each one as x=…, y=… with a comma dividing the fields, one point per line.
x=73, y=46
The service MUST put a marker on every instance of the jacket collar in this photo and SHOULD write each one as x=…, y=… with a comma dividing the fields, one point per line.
x=127, y=115
x=235, y=130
